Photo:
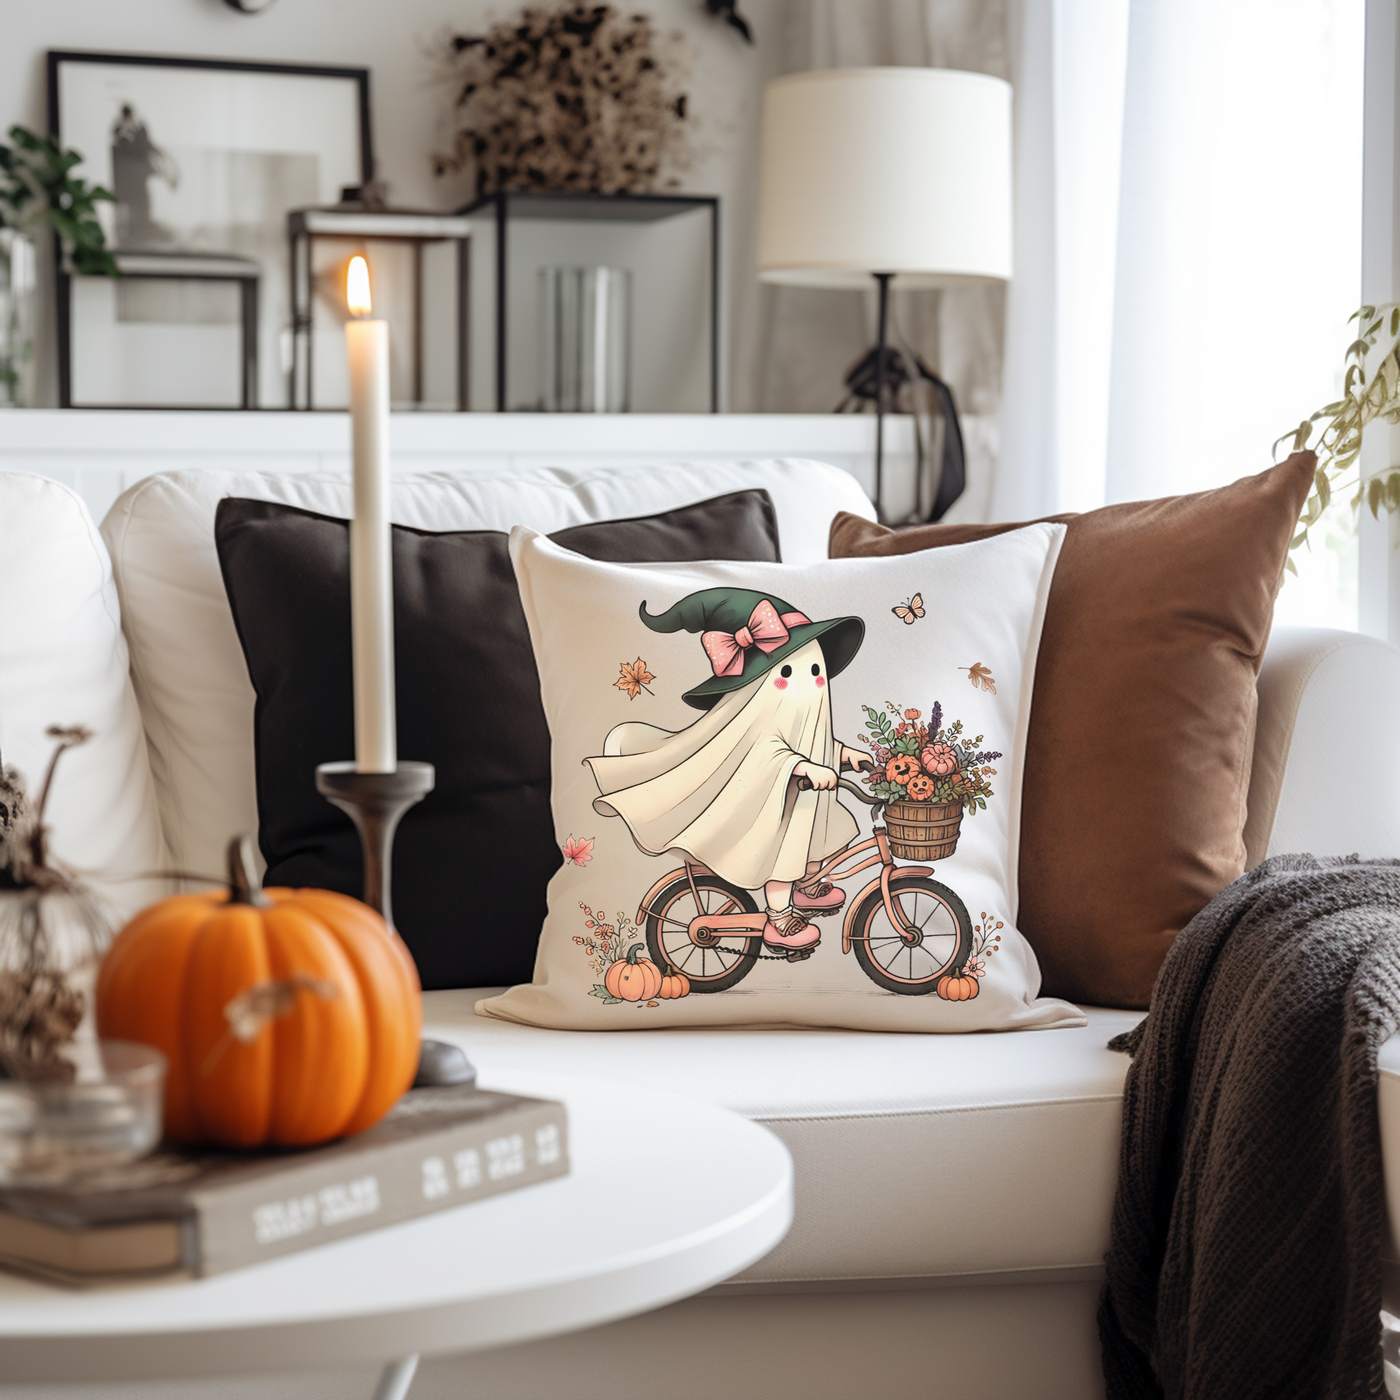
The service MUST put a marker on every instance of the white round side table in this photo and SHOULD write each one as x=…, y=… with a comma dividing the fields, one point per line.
x=589, y=1248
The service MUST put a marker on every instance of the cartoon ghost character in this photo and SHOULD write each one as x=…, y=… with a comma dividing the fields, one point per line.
x=723, y=791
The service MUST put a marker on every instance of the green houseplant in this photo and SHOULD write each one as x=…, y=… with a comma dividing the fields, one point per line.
x=1370, y=391
x=37, y=188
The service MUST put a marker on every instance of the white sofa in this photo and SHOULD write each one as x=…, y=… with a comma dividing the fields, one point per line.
x=953, y=1192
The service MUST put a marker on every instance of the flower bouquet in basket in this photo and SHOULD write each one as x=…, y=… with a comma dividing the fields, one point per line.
x=927, y=776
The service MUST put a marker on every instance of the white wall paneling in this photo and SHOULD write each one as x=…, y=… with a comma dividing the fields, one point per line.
x=100, y=454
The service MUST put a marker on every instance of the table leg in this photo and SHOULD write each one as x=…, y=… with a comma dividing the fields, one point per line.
x=395, y=1379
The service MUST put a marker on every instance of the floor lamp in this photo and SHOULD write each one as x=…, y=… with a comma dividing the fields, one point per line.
x=900, y=174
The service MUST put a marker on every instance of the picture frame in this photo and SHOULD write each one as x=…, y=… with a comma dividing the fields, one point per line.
x=206, y=157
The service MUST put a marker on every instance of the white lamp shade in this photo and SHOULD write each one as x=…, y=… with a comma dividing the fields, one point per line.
x=901, y=170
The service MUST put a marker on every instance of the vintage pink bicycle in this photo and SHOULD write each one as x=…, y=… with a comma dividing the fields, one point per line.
x=906, y=928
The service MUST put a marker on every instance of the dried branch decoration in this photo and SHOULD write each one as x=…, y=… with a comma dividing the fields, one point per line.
x=40, y=1010
x=1370, y=390
x=574, y=99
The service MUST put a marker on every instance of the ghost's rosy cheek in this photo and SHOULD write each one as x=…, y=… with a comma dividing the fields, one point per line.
x=821, y=680
x=779, y=683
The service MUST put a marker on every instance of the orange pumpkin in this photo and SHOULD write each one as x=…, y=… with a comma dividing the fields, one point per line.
x=957, y=986
x=633, y=978
x=287, y=1017
x=674, y=984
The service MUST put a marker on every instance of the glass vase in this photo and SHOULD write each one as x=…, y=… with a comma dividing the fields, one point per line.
x=585, y=339
x=18, y=293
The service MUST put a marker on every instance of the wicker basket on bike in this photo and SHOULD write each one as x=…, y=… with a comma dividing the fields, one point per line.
x=923, y=830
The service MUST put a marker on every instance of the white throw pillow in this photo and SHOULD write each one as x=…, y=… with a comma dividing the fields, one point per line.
x=63, y=660
x=191, y=679
x=713, y=875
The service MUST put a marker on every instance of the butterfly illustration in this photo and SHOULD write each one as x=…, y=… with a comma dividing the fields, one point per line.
x=907, y=612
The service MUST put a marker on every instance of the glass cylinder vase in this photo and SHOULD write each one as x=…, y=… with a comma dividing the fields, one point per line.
x=585, y=339
x=18, y=293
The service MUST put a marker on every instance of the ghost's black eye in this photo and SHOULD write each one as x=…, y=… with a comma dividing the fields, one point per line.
x=786, y=672
x=816, y=670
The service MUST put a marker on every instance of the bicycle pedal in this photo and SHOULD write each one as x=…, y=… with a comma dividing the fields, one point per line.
x=803, y=954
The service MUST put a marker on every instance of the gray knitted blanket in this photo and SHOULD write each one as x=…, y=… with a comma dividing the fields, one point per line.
x=1245, y=1251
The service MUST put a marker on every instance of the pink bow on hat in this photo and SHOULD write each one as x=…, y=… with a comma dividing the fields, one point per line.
x=766, y=631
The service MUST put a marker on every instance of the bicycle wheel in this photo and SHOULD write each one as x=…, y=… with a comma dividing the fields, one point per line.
x=941, y=942
x=713, y=963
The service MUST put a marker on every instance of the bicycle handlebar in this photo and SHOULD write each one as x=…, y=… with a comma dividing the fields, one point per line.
x=805, y=785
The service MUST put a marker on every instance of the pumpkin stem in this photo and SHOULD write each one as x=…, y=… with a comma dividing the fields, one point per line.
x=633, y=951
x=244, y=886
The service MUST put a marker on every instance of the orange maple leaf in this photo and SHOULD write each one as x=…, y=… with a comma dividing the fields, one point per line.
x=978, y=674
x=634, y=678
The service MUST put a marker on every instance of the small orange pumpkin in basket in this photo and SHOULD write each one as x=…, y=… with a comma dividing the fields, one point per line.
x=633, y=978
x=288, y=1017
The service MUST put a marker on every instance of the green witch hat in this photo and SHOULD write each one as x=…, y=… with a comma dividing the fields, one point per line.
x=746, y=634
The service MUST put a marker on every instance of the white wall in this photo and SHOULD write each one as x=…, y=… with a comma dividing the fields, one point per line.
x=393, y=38
x=100, y=453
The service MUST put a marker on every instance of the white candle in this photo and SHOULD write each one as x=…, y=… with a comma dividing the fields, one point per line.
x=371, y=568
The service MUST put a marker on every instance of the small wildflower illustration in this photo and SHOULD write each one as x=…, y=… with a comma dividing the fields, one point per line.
x=986, y=940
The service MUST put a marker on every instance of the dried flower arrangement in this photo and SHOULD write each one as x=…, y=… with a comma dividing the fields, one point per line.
x=52, y=927
x=580, y=98
x=925, y=762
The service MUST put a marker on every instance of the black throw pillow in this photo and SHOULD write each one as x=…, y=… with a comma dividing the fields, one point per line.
x=472, y=860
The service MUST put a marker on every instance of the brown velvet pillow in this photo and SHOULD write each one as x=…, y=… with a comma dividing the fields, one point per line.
x=1142, y=724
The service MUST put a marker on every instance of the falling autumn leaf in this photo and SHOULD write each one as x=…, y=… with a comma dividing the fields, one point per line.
x=580, y=851
x=978, y=674
x=634, y=678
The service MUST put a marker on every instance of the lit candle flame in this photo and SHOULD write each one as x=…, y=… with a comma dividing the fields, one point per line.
x=357, y=287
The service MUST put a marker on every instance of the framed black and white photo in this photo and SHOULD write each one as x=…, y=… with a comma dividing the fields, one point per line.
x=205, y=157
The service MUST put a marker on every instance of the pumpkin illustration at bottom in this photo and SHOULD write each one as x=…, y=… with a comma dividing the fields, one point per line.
x=957, y=987
x=674, y=984
x=633, y=978
x=287, y=1017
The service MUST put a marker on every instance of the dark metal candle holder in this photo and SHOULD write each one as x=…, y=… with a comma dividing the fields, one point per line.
x=376, y=802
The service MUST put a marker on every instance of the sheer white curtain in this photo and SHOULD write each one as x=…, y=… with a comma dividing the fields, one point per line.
x=1188, y=250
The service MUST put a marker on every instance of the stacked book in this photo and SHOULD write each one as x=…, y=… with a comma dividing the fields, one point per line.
x=198, y=1213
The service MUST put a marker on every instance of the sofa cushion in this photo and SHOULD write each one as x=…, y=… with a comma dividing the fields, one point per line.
x=916, y=1156
x=1142, y=728
x=187, y=666
x=468, y=703
x=677, y=789
x=63, y=660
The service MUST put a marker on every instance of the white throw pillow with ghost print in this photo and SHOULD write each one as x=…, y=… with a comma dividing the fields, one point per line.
x=787, y=794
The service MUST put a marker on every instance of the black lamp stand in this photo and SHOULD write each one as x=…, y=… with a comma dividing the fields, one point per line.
x=883, y=280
